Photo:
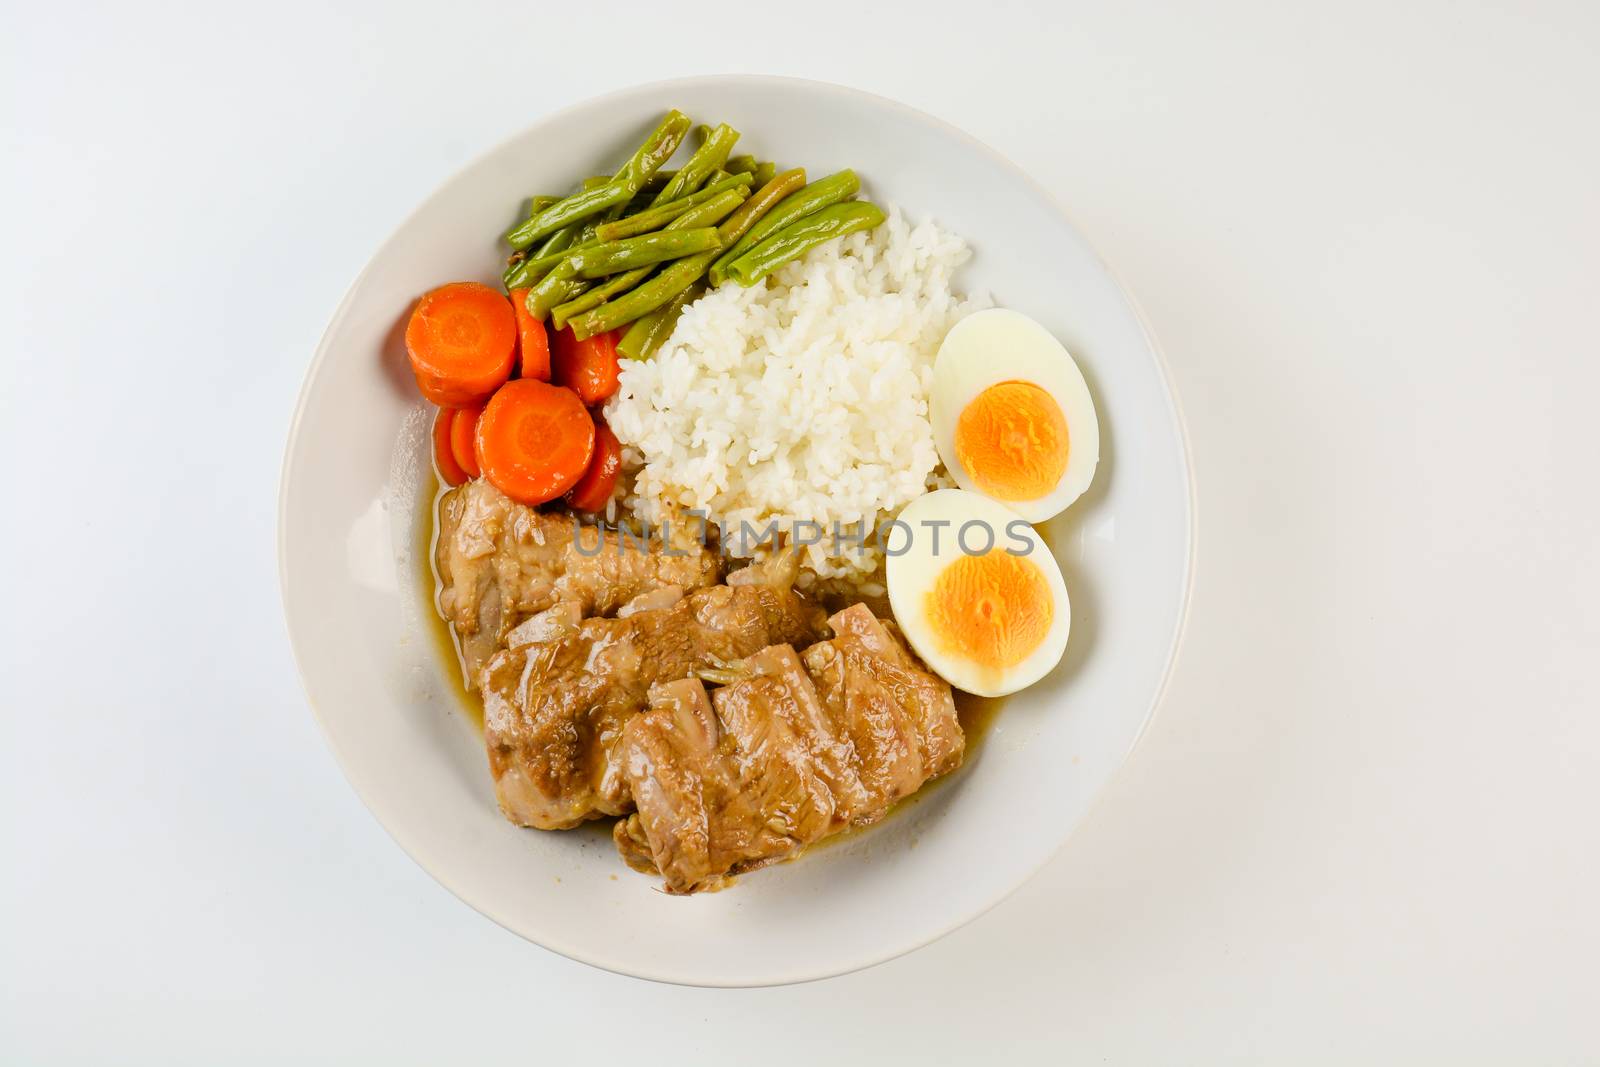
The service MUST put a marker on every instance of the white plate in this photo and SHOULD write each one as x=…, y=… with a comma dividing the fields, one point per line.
x=352, y=552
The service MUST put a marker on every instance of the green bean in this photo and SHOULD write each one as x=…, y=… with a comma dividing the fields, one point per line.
x=765, y=172
x=641, y=168
x=678, y=276
x=585, y=229
x=516, y=275
x=656, y=217
x=556, y=248
x=533, y=266
x=711, y=212
x=613, y=257
x=621, y=283
x=641, y=217
x=706, y=214
x=707, y=158
x=724, y=180
x=560, y=241
x=520, y=273
x=557, y=287
x=641, y=201
x=800, y=237
x=672, y=279
x=600, y=194
x=572, y=232
x=655, y=151
x=562, y=283
x=573, y=291
x=574, y=208
x=649, y=333
x=642, y=330
x=814, y=197
x=756, y=208
x=740, y=165
x=755, y=211
x=675, y=277
x=536, y=204
x=658, y=181
x=538, y=264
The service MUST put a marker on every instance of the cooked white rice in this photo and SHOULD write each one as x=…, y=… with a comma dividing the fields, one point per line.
x=805, y=399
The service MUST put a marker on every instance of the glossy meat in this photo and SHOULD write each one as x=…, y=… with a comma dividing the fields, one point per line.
x=788, y=750
x=718, y=798
x=772, y=685
x=501, y=562
x=554, y=709
x=900, y=719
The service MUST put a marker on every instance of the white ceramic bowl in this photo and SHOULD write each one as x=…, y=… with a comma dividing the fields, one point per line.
x=353, y=543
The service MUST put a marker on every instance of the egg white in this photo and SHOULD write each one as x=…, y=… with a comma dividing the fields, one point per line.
x=999, y=345
x=913, y=565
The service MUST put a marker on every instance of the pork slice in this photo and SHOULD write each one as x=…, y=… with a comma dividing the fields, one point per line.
x=901, y=720
x=734, y=621
x=782, y=802
x=718, y=792
x=545, y=723
x=789, y=749
x=676, y=765
x=774, y=680
x=501, y=562
x=554, y=710
x=885, y=737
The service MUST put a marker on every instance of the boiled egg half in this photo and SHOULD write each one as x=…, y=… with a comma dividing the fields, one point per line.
x=976, y=592
x=1011, y=414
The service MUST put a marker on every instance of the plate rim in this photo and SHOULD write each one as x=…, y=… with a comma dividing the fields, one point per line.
x=1174, y=411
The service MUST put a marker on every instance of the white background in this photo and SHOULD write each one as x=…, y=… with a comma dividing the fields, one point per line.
x=1363, y=825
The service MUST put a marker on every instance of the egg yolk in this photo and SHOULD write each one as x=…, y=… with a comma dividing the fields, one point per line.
x=992, y=609
x=1012, y=439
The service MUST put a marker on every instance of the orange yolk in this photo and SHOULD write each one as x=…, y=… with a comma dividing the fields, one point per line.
x=992, y=609
x=1012, y=439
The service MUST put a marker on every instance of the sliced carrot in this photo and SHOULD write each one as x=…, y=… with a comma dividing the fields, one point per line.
x=533, y=344
x=589, y=368
x=464, y=439
x=443, y=455
x=535, y=440
x=462, y=338
x=594, y=489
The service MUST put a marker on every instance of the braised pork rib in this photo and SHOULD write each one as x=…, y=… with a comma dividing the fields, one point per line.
x=593, y=652
x=791, y=748
x=501, y=562
x=554, y=708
